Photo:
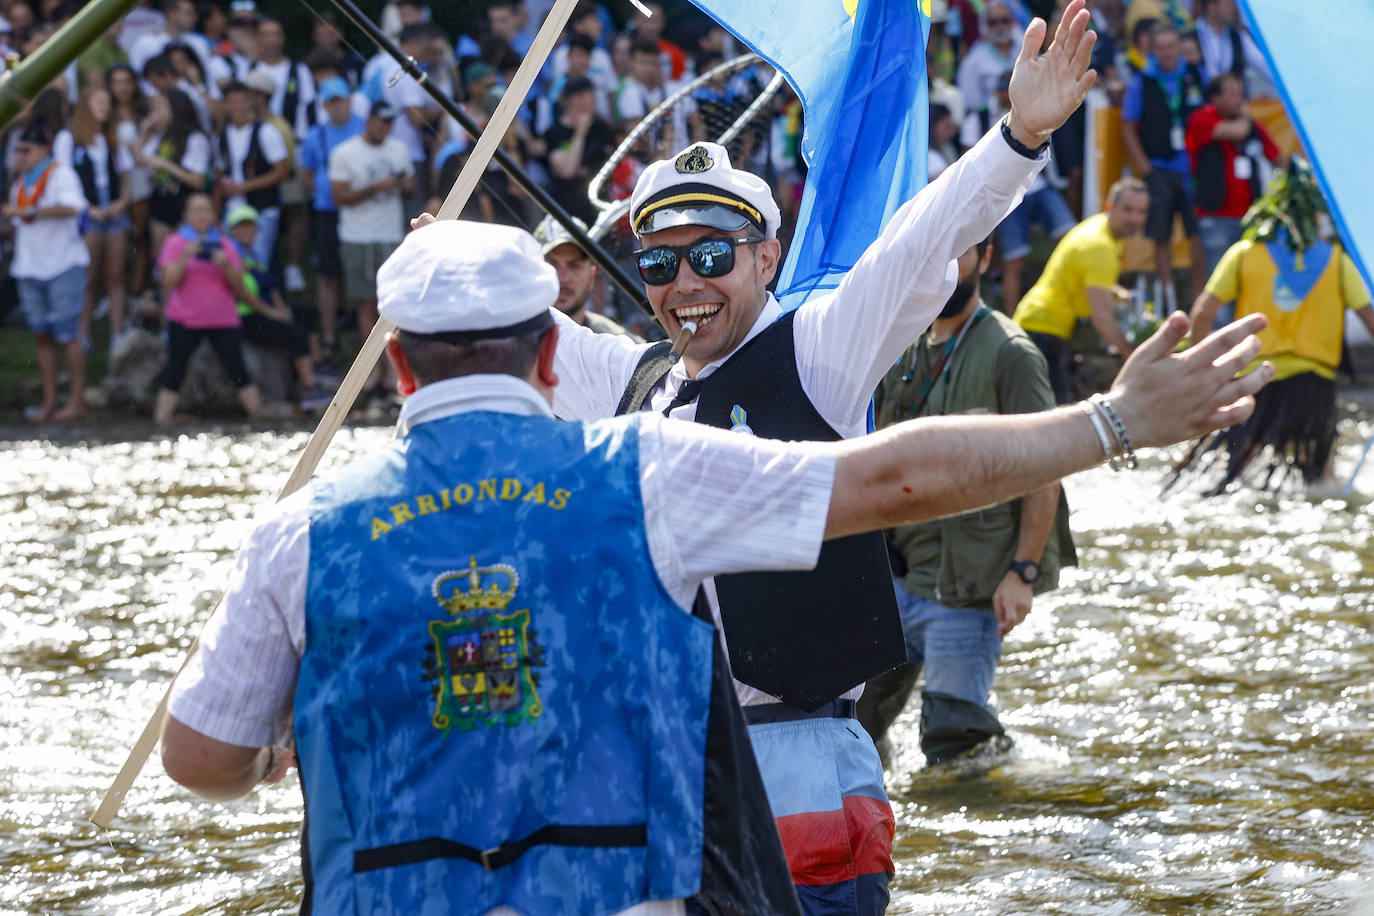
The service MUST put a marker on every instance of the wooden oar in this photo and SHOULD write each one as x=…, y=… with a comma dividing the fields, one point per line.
x=362, y=367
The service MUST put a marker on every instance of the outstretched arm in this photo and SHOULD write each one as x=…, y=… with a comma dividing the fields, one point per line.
x=938, y=466
x=846, y=341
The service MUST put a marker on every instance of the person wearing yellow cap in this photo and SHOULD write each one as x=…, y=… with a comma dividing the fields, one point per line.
x=708, y=250
x=482, y=639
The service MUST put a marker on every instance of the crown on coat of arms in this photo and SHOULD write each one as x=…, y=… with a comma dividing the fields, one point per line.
x=453, y=597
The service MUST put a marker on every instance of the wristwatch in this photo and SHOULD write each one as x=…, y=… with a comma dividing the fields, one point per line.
x=1028, y=570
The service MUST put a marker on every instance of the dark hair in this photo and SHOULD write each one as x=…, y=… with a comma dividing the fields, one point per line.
x=644, y=46
x=511, y=5
x=419, y=31
x=50, y=105
x=204, y=10
x=185, y=122
x=138, y=102
x=574, y=85
x=1143, y=27
x=191, y=56
x=433, y=360
x=1217, y=84
x=582, y=11
x=581, y=42
x=708, y=59
x=233, y=86
x=323, y=59
x=938, y=112
x=159, y=65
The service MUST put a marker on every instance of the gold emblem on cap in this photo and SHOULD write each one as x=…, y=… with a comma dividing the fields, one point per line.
x=696, y=159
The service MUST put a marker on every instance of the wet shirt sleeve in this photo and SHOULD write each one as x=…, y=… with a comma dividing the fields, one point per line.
x=593, y=370
x=239, y=687
x=720, y=502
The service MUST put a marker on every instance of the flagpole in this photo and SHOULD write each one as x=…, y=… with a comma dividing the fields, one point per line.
x=581, y=237
x=360, y=370
x=19, y=85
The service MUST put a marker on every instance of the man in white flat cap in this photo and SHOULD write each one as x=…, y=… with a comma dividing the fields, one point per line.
x=494, y=711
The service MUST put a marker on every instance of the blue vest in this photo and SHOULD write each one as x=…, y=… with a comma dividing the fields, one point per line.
x=498, y=702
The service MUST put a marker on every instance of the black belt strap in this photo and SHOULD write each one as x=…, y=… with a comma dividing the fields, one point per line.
x=781, y=712
x=498, y=856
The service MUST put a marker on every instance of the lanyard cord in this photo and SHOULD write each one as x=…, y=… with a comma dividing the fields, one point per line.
x=941, y=363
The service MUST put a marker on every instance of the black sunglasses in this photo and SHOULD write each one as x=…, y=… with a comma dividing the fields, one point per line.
x=708, y=258
x=1000, y=21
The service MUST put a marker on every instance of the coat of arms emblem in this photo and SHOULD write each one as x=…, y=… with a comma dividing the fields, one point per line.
x=485, y=653
x=696, y=159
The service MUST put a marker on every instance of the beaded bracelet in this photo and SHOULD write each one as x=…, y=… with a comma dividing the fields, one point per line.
x=1118, y=429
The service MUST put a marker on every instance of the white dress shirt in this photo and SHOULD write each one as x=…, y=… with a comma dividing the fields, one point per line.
x=846, y=339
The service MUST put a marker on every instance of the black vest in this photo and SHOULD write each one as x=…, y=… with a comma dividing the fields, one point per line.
x=1156, y=120
x=84, y=166
x=254, y=164
x=291, y=98
x=804, y=637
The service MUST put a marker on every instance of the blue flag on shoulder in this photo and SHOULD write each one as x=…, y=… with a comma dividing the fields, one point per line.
x=1324, y=75
x=858, y=67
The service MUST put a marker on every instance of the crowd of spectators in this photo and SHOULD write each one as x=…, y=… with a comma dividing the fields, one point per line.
x=322, y=152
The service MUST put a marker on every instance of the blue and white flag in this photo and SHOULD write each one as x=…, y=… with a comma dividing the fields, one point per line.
x=1323, y=63
x=858, y=67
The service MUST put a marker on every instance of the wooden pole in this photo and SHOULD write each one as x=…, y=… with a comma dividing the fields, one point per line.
x=362, y=367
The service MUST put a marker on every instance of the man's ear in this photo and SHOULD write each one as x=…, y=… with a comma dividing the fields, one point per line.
x=769, y=253
x=405, y=377
x=548, y=347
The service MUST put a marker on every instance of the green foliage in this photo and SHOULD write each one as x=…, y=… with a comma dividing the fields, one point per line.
x=1289, y=210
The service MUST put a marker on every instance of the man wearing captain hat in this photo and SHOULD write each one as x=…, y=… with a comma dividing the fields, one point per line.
x=577, y=277
x=494, y=711
x=708, y=252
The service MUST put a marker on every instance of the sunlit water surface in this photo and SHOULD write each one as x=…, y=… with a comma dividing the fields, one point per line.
x=1193, y=708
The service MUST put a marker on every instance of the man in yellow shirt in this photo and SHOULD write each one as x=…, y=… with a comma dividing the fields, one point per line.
x=1304, y=293
x=1079, y=284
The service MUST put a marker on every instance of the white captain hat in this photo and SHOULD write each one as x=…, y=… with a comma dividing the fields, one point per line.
x=699, y=187
x=467, y=281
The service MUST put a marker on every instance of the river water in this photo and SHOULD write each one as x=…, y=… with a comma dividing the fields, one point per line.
x=1193, y=709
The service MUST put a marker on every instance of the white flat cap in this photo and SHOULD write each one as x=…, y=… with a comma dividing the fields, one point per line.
x=699, y=187
x=470, y=278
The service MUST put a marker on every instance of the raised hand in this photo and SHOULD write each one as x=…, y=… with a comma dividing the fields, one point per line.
x=1164, y=397
x=1046, y=89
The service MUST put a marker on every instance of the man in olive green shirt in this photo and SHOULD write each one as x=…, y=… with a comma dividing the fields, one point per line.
x=964, y=582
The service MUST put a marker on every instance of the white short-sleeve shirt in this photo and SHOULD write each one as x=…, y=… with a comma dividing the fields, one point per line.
x=270, y=141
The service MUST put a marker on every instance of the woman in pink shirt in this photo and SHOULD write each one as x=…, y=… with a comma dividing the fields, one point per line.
x=202, y=280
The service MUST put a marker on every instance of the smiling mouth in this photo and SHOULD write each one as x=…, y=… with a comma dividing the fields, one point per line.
x=702, y=313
